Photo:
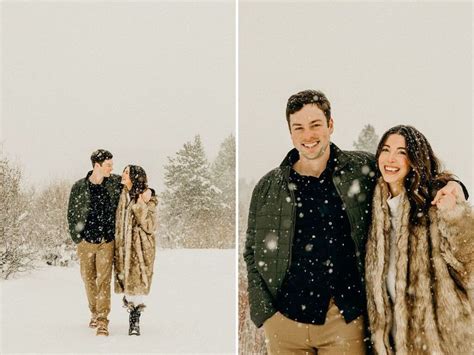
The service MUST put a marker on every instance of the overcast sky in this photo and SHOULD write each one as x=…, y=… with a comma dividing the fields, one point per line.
x=137, y=78
x=384, y=63
x=142, y=78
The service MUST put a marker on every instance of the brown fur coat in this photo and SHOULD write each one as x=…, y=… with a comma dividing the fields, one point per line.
x=135, y=226
x=434, y=280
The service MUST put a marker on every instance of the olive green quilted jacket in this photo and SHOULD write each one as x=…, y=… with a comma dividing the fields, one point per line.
x=79, y=203
x=271, y=223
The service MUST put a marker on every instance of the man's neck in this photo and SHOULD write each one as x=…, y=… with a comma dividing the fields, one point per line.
x=96, y=178
x=312, y=167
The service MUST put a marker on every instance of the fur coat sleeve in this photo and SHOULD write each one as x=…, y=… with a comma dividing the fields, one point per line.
x=145, y=214
x=456, y=228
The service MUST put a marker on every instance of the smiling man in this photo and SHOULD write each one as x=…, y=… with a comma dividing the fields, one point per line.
x=307, y=230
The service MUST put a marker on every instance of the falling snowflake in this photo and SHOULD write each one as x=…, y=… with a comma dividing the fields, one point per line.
x=271, y=242
x=354, y=189
x=365, y=170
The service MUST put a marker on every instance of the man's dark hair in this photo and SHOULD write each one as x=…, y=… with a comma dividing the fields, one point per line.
x=100, y=155
x=314, y=97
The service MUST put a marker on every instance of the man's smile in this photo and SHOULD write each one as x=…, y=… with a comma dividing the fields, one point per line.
x=310, y=145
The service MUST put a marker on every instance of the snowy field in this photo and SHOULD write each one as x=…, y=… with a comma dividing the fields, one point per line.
x=191, y=309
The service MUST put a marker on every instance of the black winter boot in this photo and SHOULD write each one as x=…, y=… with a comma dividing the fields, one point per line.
x=134, y=319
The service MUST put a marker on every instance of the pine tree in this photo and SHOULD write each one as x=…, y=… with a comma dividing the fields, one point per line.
x=188, y=201
x=368, y=140
x=223, y=178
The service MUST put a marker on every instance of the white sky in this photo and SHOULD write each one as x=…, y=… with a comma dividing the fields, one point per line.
x=384, y=63
x=137, y=78
x=141, y=78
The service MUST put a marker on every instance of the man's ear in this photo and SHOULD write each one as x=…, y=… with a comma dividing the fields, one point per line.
x=331, y=125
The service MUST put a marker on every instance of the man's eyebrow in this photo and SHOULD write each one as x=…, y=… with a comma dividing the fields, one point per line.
x=313, y=121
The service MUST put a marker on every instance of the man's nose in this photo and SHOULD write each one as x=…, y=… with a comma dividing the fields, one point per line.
x=307, y=134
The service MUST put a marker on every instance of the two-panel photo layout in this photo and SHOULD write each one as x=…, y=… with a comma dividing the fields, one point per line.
x=236, y=177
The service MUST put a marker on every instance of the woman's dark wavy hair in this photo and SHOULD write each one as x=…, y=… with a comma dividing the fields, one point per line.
x=139, y=181
x=425, y=177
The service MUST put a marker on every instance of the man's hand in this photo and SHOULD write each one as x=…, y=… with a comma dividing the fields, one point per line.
x=451, y=188
x=145, y=196
x=446, y=202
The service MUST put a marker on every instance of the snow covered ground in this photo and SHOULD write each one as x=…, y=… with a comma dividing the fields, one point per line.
x=191, y=309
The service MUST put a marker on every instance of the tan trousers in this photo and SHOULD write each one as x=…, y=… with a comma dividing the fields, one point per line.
x=96, y=271
x=285, y=336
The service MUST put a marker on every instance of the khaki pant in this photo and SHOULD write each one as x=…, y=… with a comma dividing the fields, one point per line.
x=335, y=336
x=96, y=271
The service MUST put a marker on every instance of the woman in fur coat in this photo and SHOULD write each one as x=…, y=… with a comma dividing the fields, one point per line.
x=135, y=226
x=419, y=257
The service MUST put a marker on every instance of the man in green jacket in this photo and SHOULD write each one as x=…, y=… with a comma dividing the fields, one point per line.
x=91, y=218
x=307, y=229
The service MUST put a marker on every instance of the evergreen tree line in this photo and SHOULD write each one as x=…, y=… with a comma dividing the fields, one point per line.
x=197, y=210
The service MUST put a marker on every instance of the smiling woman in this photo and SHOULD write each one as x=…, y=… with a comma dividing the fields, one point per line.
x=393, y=162
x=424, y=259
x=406, y=161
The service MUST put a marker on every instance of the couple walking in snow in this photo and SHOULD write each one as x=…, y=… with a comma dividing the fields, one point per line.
x=112, y=220
x=338, y=240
